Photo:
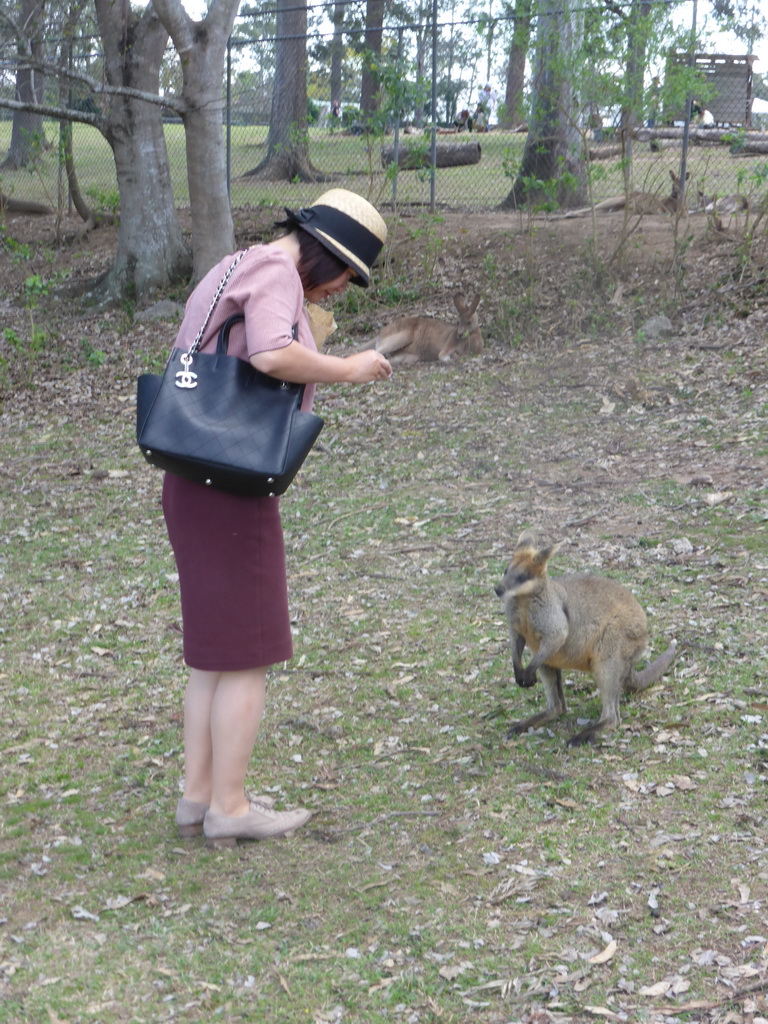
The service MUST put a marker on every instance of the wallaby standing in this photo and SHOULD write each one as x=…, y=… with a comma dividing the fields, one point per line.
x=582, y=622
x=422, y=339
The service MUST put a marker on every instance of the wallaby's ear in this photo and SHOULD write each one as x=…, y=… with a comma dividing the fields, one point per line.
x=543, y=556
x=473, y=305
x=526, y=540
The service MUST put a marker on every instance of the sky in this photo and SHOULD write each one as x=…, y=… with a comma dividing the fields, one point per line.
x=723, y=42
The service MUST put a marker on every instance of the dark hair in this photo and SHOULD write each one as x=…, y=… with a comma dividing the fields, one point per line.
x=317, y=265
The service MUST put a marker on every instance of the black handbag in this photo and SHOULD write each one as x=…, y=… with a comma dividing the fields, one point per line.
x=215, y=419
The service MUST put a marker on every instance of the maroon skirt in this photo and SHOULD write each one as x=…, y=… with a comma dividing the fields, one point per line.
x=231, y=560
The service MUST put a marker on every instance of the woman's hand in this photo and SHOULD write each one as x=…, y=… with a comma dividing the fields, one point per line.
x=367, y=366
x=303, y=366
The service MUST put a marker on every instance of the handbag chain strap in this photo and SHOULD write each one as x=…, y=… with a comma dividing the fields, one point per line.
x=194, y=347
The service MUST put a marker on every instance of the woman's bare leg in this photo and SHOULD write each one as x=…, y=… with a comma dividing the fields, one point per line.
x=222, y=714
x=198, y=753
x=236, y=711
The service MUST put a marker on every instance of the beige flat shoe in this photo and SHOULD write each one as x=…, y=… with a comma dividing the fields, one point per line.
x=190, y=814
x=261, y=822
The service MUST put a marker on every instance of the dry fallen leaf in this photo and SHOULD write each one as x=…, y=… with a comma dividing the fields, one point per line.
x=673, y=986
x=153, y=874
x=654, y=990
x=384, y=983
x=717, y=498
x=606, y=408
x=683, y=782
x=606, y=954
x=452, y=971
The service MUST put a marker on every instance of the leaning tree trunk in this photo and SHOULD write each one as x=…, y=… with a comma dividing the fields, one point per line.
x=202, y=48
x=151, y=253
x=90, y=217
x=288, y=139
x=553, y=168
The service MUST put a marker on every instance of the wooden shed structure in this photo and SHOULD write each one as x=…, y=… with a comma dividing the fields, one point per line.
x=729, y=85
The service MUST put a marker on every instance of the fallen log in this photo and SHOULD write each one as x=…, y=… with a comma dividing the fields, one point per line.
x=725, y=135
x=447, y=154
x=604, y=152
x=748, y=147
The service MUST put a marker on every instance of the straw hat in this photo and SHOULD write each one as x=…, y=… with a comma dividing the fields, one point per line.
x=348, y=226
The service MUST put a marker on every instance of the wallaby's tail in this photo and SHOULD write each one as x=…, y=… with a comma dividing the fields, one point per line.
x=653, y=672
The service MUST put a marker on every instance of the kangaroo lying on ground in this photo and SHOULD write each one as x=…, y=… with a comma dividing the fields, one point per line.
x=734, y=203
x=9, y=205
x=637, y=203
x=582, y=622
x=421, y=339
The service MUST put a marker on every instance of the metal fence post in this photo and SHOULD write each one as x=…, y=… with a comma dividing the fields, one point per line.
x=687, y=122
x=433, y=171
x=229, y=115
x=396, y=140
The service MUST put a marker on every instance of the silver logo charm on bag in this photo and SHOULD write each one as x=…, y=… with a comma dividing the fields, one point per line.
x=185, y=377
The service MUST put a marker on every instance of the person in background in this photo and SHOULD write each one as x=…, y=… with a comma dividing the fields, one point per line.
x=595, y=122
x=654, y=105
x=229, y=549
x=701, y=117
x=490, y=102
x=463, y=121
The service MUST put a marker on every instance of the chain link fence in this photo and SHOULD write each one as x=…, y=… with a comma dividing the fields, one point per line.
x=706, y=127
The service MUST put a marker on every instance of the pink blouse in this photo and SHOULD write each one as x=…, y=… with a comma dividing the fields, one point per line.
x=266, y=288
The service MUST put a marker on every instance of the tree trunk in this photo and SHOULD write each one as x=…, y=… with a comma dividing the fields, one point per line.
x=288, y=142
x=553, y=168
x=150, y=249
x=631, y=112
x=337, y=51
x=369, y=89
x=202, y=48
x=421, y=64
x=27, y=137
x=518, y=54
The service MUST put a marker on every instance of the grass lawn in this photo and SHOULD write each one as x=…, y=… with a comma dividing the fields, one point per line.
x=354, y=162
